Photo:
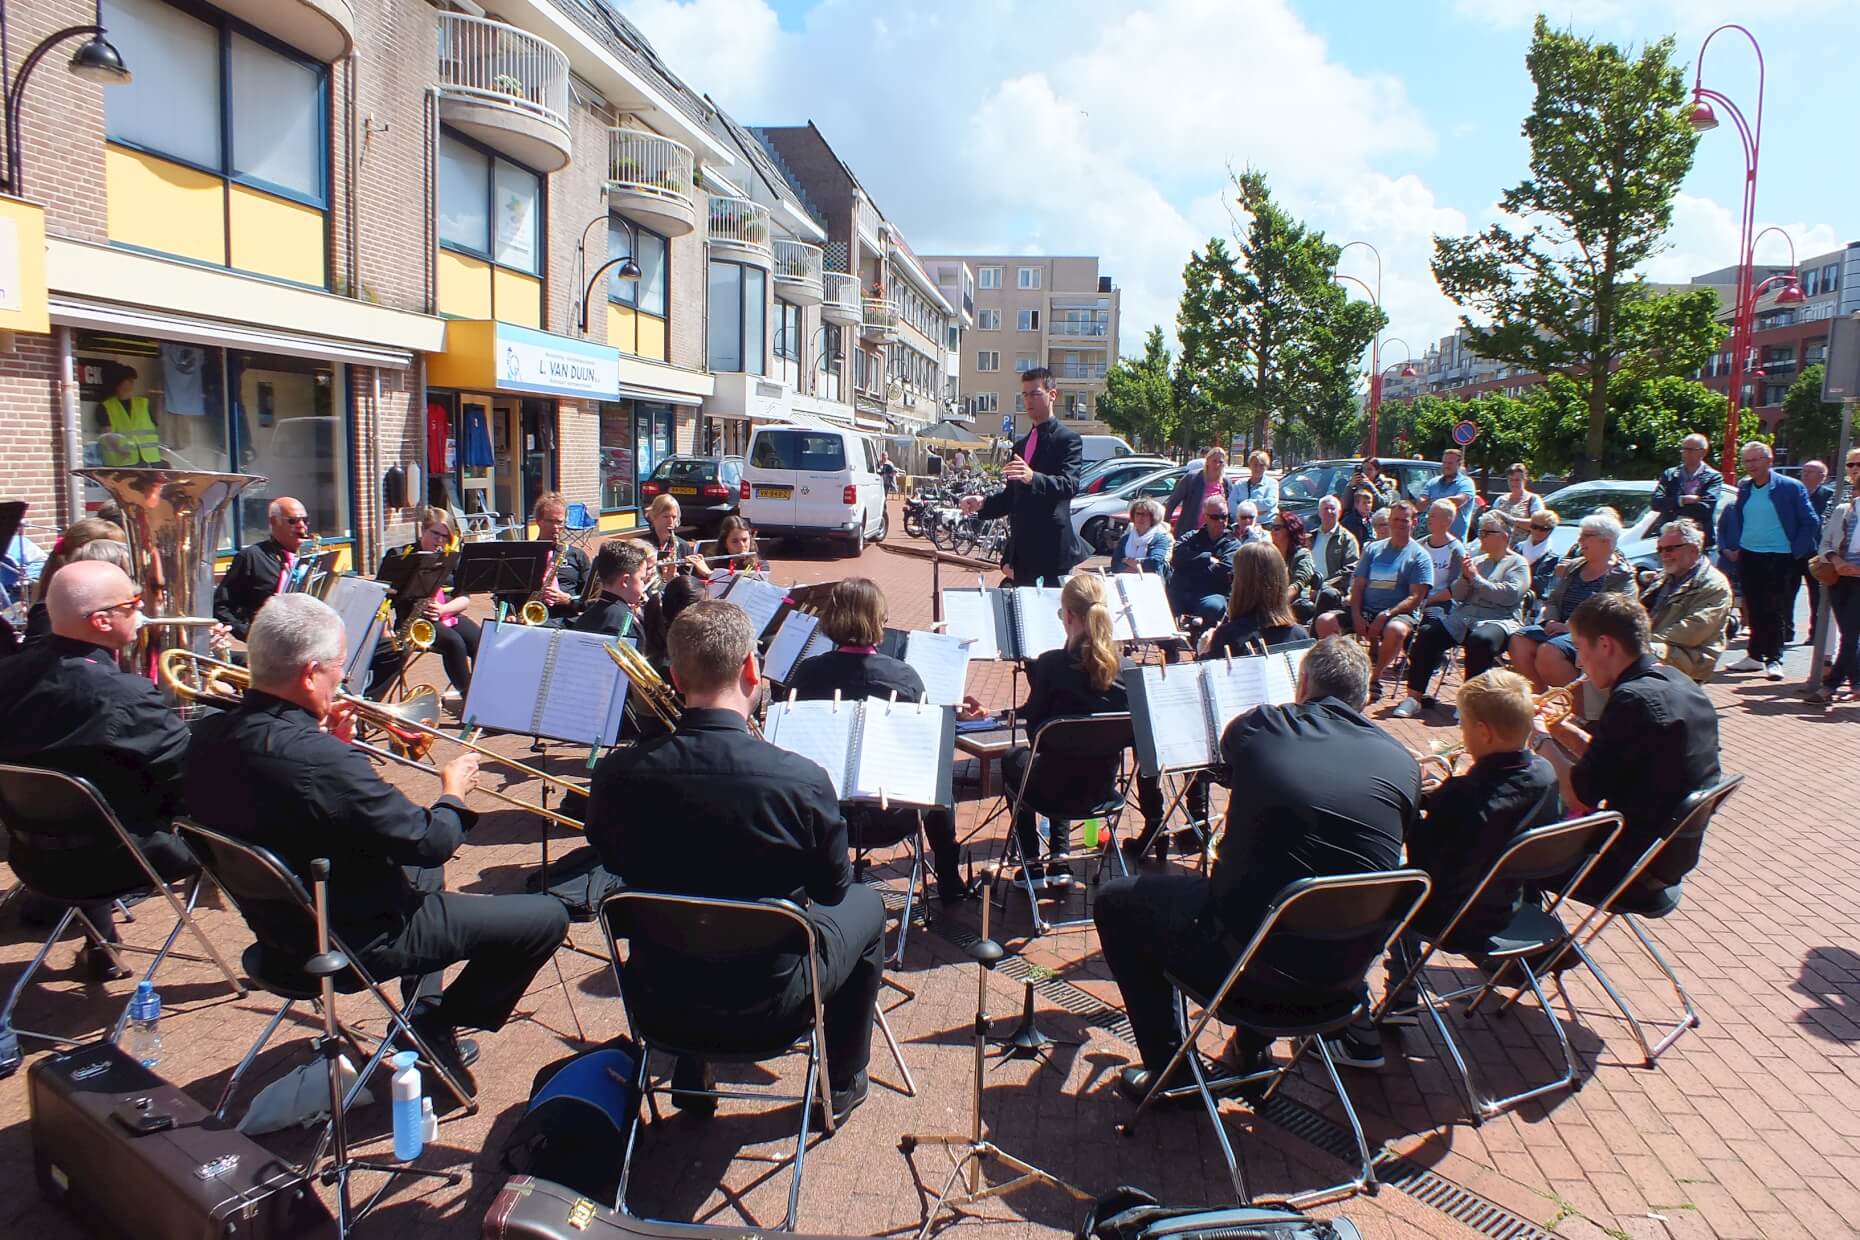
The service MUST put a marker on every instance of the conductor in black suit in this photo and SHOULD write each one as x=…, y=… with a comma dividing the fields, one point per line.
x=1042, y=478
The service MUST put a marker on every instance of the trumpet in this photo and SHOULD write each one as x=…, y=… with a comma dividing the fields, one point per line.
x=646, y=682
x=410, y=727
x=1552, y=707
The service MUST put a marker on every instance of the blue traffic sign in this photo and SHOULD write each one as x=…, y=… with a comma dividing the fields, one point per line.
x=1465, y=432
x=1007, y=424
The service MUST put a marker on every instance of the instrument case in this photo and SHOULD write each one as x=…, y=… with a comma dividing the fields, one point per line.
x=128, y=1154
x=531, y=1209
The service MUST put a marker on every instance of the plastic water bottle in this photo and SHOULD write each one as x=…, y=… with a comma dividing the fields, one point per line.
x=142, y=1039
x=407, y=1138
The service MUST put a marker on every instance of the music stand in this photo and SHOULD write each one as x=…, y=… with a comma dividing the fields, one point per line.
x=313, y=574
x=12, y=517
x=516, y=568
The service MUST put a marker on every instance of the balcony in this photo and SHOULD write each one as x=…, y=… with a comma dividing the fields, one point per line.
x=798, y=273
x=1078, y=370
x=869, y=222
x=842, y=300
x=739, y=228
x=324, y=29
x=1078, y=329
x=649, y=180
x=880, y=320
x=506, y=88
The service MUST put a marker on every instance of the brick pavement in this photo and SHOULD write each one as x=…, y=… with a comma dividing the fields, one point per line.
x=1747, y=1128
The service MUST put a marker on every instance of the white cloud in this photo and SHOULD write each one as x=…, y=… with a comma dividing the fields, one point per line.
x=1613, y=18
x=1704, y=238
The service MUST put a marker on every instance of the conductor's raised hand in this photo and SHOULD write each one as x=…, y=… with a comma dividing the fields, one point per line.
x=971, y=503
x=1017, y=470
x=459, y=776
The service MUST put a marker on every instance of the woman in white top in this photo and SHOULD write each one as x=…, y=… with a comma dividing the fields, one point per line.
x=1147, y=542
x=1518, y=505
x=1537, y=553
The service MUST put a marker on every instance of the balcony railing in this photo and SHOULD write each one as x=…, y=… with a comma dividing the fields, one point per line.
x=869, y=220
x=645, y=163
x=799, y=264
x=1078, y=370
x=842, y=303
x=501, y=64
x=879, y=318
x=1079, y=327
x=740, y=223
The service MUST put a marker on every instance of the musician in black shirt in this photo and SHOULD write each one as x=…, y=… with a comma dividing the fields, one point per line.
x=565, y=584
x=854, y=618
x=711, y=810
x=262, y=569
x=675, y=554
x=623, y=567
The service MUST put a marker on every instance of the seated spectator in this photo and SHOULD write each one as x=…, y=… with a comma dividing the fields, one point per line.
x=1487, y=600
x=1257, y=611
x=1840, y=549
x=1392, y=578
x=1359, y=516
x=1536, y=550
x=1202, y=565
x=1288, y=536
x=1545, y=652
x=1147, y=542
x=1688, y=603
x=1379, y=525
x=1334, y=552
x=1246, y=524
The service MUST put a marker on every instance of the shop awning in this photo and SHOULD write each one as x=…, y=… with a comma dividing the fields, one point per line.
x=193, y=329
x=489, y=356
x=628, y=392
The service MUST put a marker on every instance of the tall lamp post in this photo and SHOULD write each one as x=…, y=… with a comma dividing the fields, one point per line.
x=823, y=356
x=629, y=270
x=1375, y=345
x=96, y=60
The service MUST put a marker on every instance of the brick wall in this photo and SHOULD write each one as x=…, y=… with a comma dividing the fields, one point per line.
x=395, y=63
x=32, y=454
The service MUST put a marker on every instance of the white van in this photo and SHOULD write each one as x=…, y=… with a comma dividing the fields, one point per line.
x=814, y=482
x=1104, y=447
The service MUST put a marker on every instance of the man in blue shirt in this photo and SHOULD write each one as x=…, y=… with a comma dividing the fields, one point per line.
x=1766, y=533
x=1454, y=486
x=1391, y=579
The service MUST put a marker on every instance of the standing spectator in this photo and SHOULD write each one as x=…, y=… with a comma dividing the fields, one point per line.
x=1334, y=552
x=1256, y=488
x=1840, y=546
x=889, y=471
x=1768, y=530
x=1188, y=501
x=1369, y=477
x=1689, y=489
x=1456, y=488
x=1519, y=504
x=1820, y=495
x=1042, y=477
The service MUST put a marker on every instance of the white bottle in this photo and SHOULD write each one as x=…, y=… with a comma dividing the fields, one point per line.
x=429, y=1122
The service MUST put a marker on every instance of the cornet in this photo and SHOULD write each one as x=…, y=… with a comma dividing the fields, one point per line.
x=1553, y=706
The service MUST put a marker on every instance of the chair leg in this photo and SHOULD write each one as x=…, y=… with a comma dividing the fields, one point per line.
x=641, y=1088
x=1366, y=1177
x=897, y=1055
x=25, y=979
x=816, y=1072
x=232, y=1082
x=1462, y=1073
x=1213, y=1108
x=1692, y=1019
x=186, y=916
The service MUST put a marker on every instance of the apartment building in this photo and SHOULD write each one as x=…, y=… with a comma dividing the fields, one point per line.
x=1037, y=310
x=955, y=279
x=381, y=251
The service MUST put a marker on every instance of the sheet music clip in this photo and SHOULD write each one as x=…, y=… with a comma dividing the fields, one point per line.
x=836, y=701
x=923, y=700
x=794, y=693
x=893, y=702
x=884, y=801
x=1230, y=660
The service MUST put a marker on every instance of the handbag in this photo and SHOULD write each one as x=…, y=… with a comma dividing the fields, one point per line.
x=1822, y=569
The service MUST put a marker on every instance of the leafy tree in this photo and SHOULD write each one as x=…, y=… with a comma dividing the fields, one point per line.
x=1268, y=339
x=1609, y=147
x=1647, y=419
x=1139, y=395
x=1811, y=426
x=1508, y=429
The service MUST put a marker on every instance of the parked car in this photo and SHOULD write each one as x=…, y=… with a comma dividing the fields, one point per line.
x=706, y=488
x=1632, y=500
x=1300, y=489
x=814, y=482
x=1108, y=475
x=1104, y=447
x=1099, y=518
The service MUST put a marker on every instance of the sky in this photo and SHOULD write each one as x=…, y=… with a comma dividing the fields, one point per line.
x=1108, y=127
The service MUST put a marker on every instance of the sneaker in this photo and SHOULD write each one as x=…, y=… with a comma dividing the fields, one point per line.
x=1356, y=1048
x=1745, y=664
x=1772, y=670
x=1059, y=874
x=1407, y=708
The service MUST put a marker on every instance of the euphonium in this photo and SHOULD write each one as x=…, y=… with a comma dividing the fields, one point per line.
x=647, y=684
x=1553, y=706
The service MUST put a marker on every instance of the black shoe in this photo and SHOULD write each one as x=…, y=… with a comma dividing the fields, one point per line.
x=100, y=964
x=1186, y=841
x=1035, y=873
x=455, y=1054
x=690, y=1074
x=847, y=1100
x=1356, y=1047
x=1134, y=1083
x=953, y=888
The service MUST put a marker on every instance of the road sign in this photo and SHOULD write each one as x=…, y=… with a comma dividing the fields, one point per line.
x=1465, y=432
x=1840, y=378
x=1007, y=424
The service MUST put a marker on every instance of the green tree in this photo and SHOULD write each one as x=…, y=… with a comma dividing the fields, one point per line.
x=1647, y=419
x=1811, y=426
x=1609, y=147
x=1508, y=429
x=1268, y=339
x=1139, y=395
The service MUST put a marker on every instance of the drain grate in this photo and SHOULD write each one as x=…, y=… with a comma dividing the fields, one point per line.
x=1464, y=1206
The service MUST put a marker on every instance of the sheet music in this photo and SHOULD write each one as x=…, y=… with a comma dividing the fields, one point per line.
x=1282, y=676
x=790, y=645
x=969, y=616
x=816, y=731
x=587, y=691
x=718, y=583
x=759, y=599
x=358, y=601
x=517, y=686
x=505, y=676
x=1178, y=718
x=1037, y=613
x=943, y=663
x=900, y=752
x=1145, y=610
x=1237, y=686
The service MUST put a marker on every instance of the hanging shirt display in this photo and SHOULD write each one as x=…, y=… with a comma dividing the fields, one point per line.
x=477, y=454
x=183, y=370
x=438, y=440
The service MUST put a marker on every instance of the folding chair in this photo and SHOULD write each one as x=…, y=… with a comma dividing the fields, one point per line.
x=1354, y=918
x=716, y=937
x=48, y=813
x=1074, y=770
x=1549, y=852
x=869, y=829
x=581, y=525
x=283, y=919
x=1631, y=905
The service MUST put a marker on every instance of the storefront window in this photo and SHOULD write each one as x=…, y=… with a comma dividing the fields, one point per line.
x=291, y=428
x=617, y=469
x=652, y=430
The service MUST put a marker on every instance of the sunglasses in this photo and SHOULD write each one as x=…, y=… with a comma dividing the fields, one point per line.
x=1664, y=549
x=295, y=520
x=126, y=606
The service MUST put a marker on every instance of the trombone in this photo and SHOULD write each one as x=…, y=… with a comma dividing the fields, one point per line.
x=198, y=678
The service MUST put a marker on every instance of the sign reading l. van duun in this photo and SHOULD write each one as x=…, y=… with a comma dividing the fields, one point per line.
x=533, y=361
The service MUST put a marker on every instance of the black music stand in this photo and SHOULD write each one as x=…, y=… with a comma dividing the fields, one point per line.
x=312, y=574
x=502, y=568
x=12, y=516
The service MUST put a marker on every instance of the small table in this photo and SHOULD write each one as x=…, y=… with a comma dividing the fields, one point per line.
x=986, y=747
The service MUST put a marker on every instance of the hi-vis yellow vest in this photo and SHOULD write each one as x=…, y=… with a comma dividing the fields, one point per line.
x=136, y=426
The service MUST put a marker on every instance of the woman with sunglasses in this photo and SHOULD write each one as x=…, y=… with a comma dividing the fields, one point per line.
x=1535, y=548
x=1294, y=546
x=455, y=635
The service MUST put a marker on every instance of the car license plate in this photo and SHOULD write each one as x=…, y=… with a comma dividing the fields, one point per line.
x=684, y=490
x=775, y=492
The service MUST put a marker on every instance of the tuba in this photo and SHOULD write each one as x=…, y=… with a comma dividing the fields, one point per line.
x=174, y=519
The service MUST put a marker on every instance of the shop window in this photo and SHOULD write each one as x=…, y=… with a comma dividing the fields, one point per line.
x=290, y=427
x=653, y=432
x=642, y=326
x=618, y=475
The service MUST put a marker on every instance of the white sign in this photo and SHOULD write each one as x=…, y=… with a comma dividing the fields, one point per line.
x=532, y=361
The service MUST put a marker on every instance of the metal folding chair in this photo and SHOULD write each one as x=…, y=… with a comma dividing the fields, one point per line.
x=1560, y=850
x=1355, y=917
x=50, y=806
x=1630, y=906
x=859, y=821
x=1076, y=741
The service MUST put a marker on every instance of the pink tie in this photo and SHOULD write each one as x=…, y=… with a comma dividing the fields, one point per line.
x=284, y=577
x=1033, y=440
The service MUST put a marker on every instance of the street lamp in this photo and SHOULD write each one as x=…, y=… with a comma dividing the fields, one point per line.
x=826, y=356
x=1375, y=344
x=96, y=60
x=629, y=270
x=1704, y=118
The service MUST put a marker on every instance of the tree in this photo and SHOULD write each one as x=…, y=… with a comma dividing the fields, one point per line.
x=1609, y=145
x=1139, y=395
x=1267, y=337
x=1647, y=419
x=1811, y=426
x=1508, y=429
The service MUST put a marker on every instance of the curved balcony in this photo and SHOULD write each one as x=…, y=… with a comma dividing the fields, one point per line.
x=506, y=88
x=740, y=228
x=879, y=319
x=841, y=303
x=798, y=273
x=649, y=180
x=324, y=29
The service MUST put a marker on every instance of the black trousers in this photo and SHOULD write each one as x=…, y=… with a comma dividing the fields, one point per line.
x=1844, y=598
x=382, y=669
x=1766, y=578
x=456, y=646
x=1485, y=642
x=165, y=851
x=1154, y=924
x=1149, y=801
x=503, y=940
x=867, y=827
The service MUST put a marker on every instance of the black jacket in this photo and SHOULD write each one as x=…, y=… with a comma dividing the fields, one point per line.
x=1203, y=565
x=1240, y=635
x=607, y=614
x=1666, y=505
x=252, y=579
x=571, y=578
x=1655, y=744
x=1471, y=819
x=1039, y=512
x=69, y=709
x=1057, y=687
x=856, y=676
x=265, y=773
x=1318, y=789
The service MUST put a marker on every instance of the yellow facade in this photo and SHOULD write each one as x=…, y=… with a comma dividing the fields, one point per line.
x=276, y=237
x=641, y=335
x=464, y=286
x=516, y=298
x=165, y=207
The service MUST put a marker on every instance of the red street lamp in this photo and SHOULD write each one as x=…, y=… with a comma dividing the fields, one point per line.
x=1704, y=118
x=1375, y=345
